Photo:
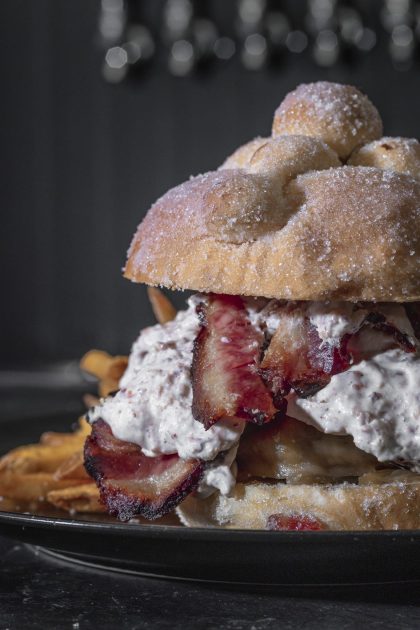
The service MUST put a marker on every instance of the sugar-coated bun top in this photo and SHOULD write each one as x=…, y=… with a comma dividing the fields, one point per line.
x=396, y=154
x=283, y=217
x=340, y=115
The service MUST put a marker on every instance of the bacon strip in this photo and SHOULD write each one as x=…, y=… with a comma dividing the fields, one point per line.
x=379, y=322
x=297, y=359
x=131, y=483
x=225, y=377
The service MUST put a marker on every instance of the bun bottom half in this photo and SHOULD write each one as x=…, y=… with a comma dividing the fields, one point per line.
x=380, y=501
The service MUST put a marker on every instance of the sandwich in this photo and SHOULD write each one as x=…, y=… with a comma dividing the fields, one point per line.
x=286, y=396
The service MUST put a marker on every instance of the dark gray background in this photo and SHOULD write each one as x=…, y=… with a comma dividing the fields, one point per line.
x=82, y=160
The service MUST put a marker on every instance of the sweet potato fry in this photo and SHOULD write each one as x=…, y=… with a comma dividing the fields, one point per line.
x=38, y=458
x=84, y=428
x=82, y=498
x=162, y=307
x=28, y=474
x=103, y=365
x=53, y=438
x=106, y=368
x=32, y=486
x=96, y=362
x=72, y=468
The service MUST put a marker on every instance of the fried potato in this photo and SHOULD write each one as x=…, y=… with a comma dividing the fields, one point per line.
x=36, y=458
x=107, y=369
x=31, y=486
x=28, y=473
x=72, y=468
x=82, y=498
x=96, y=362
x=78, y=437
x=163, y=309
x=49, y=454
x=52, y=471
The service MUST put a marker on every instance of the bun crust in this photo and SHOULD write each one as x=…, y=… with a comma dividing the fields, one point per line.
x=339, y=114
x=396, y=154
x=348, y=233
x=282, y=218
x=386, y=504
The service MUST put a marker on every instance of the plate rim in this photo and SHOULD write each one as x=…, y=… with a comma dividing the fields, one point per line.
x=181, y=531
x=70, y=559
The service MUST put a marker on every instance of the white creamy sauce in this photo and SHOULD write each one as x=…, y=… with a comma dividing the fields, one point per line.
x=153, y=406
x=333, y=320
x=264, y=314
x=219, y=474
x=377, y=400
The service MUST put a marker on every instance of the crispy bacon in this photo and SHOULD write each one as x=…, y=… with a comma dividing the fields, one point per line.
x=131, y=483
x=379, y=322
x=297, y=359
x=225, y=377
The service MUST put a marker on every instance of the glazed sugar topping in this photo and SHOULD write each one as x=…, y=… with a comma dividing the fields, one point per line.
x=341, y=114
x=323, y=209
x=398, y=154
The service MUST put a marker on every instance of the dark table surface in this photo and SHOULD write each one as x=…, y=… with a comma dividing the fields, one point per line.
x=37, y=591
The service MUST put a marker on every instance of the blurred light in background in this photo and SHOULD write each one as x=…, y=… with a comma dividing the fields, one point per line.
x=326, y=48
x=192, y=36
x=115, y=66
x=296, y=41
x=176, y=17
x=278, y=27
x=181, y=58
x=224, y=48
x=112, y=19
x=402, y=46
x=254, y=52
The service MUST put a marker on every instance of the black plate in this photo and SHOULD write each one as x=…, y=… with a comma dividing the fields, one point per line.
x=253, y=557
x=225, y=556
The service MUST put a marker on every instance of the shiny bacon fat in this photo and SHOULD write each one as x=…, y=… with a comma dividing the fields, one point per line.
x=225, y=377
x=301, y=358
x=131, y=483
